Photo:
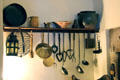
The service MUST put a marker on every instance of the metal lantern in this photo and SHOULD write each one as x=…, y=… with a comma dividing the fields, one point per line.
x=12, y=45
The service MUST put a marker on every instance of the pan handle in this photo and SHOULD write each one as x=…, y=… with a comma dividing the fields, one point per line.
x=42, y=35
x=59, y=43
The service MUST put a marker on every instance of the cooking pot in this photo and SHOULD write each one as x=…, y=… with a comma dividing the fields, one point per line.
x=87, y=19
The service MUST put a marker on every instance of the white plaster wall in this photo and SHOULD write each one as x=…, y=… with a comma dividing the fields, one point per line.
x=110, y=19
x=29, y=69
x=54, y=10
x=32, y=69
x=101, y=60
x=114, y=60
x=112, y=13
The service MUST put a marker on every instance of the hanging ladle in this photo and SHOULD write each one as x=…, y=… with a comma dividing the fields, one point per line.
x=64, y=70
x=79, y=69
x=73, y=55
x=84, y=61
x=54, y=46
x=74, y=77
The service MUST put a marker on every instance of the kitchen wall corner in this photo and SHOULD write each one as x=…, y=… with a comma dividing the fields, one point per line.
x=1, y=41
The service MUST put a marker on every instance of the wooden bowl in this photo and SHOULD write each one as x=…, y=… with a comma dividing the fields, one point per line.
x=64, y=24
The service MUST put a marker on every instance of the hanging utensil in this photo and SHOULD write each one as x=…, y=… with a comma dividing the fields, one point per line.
x=31, y=45
x=99, y=50
x=84, y=61
x=64, y=70
x=54, y=46
x=43, y=50
x=90, y=42
x=23, y=42
x=49, y=61
x=22, y=51
x=79, y=69
x=74, y=77
x=47, y=25
x=73, y=55
x=48, y=37
x=64, y=52
x=69, y=51
x=59, y=55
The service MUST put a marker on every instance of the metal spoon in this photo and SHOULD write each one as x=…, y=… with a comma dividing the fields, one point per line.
x=73, y=55
x=84, y=61
x=79, y=69
x=74, y=77
x=64, y=70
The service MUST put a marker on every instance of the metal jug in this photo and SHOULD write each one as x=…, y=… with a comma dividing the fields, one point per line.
x=33, y=21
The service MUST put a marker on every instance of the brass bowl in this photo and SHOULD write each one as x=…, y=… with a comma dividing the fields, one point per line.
x=49, y=61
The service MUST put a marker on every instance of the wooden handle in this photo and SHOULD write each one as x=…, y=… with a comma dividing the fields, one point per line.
x=31, y=44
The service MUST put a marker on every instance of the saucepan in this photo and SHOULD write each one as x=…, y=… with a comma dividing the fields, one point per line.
x=43, y=50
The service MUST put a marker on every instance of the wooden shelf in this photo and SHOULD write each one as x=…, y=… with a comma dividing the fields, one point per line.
x=40, y=29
